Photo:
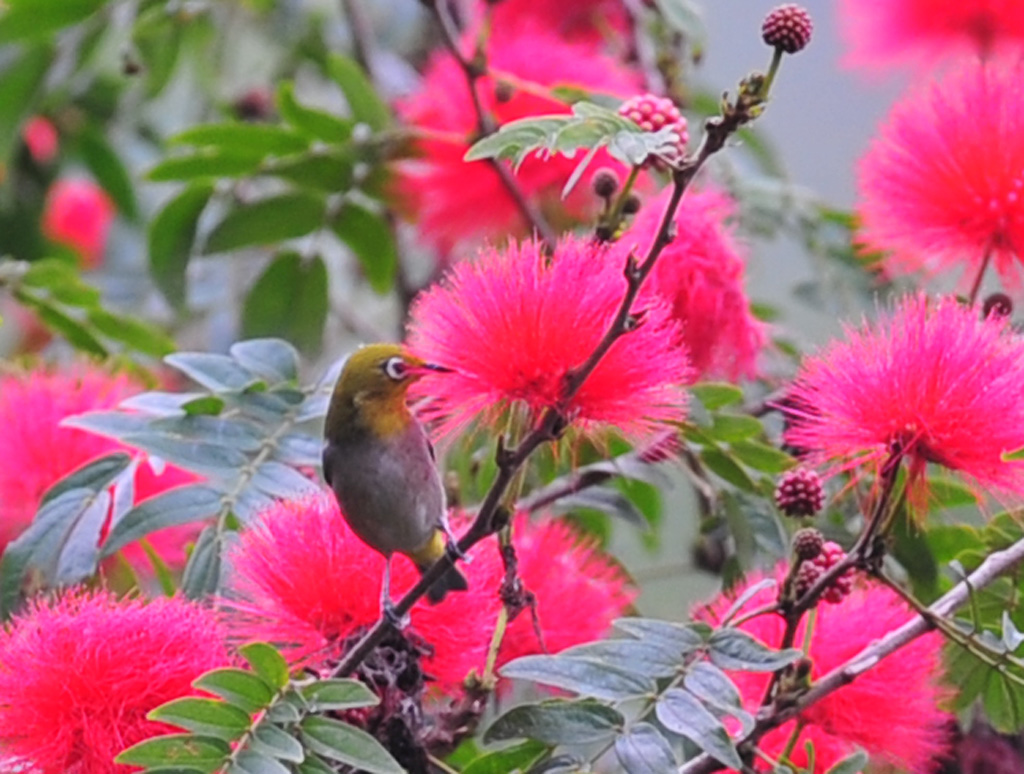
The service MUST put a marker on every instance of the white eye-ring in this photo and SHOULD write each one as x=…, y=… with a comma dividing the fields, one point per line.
x=396, y=369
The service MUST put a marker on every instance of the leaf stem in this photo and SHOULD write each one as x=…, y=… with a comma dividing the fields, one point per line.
x=473, y=70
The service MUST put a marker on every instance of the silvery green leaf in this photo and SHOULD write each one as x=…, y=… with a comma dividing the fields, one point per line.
x=643, y=750
x=584, y=676
x=557, y=722
x=682, y=713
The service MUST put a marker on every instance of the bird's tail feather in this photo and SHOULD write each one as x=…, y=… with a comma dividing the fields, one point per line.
x=453, y=580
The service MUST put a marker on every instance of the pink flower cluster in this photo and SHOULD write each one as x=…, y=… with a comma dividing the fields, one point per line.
x=444, y=194
x=79, y=672
x=929, y=380
x=514, y=325
x=302, y=580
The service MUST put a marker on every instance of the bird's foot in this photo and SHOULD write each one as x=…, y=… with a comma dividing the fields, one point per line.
x=452, y=543
x=390, y=613
x=451, y=547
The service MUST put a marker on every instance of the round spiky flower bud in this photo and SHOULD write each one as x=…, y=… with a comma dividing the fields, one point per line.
x=811, y=570
x=800, y=493
x=605, y=182
x=787, y=27
x=632, y=205
x=651, y=113
x=997, y=305
x=806, y=576
x=831, y=554
x=807, y=543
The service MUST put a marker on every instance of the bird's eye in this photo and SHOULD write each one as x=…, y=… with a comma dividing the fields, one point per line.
x=396, y=369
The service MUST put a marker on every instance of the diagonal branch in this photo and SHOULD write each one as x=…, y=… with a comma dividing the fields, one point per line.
x=485, y=124
x=995, y=565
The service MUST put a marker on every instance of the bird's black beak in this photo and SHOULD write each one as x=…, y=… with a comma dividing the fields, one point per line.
x=440, y=369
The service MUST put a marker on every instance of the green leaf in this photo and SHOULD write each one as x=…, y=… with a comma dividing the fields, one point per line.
x=275, y=742
x=62, y=282
x=208, y=717
x=682, y=713
x=132, y=332
x=736, y=650
x=713, y=687
x=96, y=476
x=78, y=335
x=947, y=493
x=347, y=744
x=725, y=467
x=109, y=171
x=203, y=753
x=325, y=695
x=266, y=662
x=266, y=221
x=24, y=19
x=590, y=126
x=171, y=235
x=762, y=457
x=369, y=237
x=606, y=501
x=364, y=103
x=715, y=395
x=557, y=722
x=853, y=764
x=647, y=659
x=203, y=165
x=314, y=123
x=273, y=359
x=643, y=750
x=252, y=762
x=328, y=171
x=60, y=542
x=181, y=505
x=214, y=372
x=515, y=758
x=313, y=765
x=202, y=573
x=730, y=428
x=157, y=36
x=680, y=638
x=20, y=85
x=258, y=140
x=289, y=299
x=584, y=676
x=245, y=690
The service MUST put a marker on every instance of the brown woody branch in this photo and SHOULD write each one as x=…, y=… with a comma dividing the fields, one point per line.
x=995, y=565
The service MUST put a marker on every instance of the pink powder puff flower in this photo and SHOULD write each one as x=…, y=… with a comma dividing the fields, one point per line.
x=40, y=137
x=881, y=33
x=942, y=186
x=79, y=673
x=300, y=578
x=908, y=734
x=514, y=323
x=590, y=21
x=702, y=274
x=36, y=452
x=930, y=379
x=454, y=202
x=78, y=214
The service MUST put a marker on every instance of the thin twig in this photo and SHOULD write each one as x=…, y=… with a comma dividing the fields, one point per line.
x=473, y=71
x=995, y=565
x=363, y=45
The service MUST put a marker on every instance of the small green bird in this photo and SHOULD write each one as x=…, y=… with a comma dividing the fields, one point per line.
x=380, y=465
